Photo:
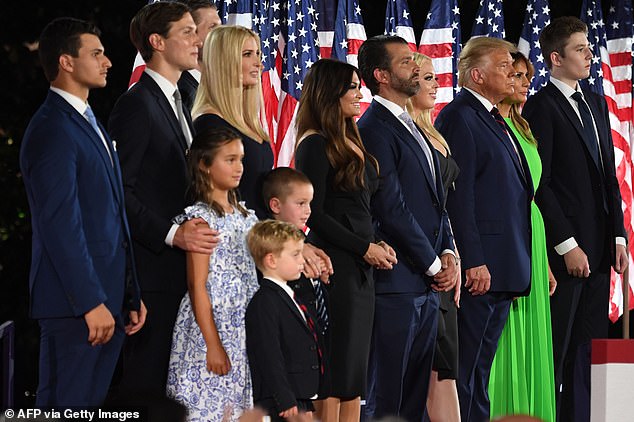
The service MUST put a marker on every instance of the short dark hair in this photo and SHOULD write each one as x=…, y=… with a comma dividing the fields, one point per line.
x=196, y=5
x=374, y=55
x=62, y=36
x=154, y=18
x=279, y=183
x=555, y=36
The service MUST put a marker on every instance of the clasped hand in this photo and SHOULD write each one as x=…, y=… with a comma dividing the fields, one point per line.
x=381, y=256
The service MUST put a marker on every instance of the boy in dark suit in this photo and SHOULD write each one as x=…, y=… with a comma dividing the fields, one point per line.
x=288, y=194
x=282, y=341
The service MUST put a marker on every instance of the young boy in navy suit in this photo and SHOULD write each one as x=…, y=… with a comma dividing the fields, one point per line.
x=282, y=336
x=288, y=194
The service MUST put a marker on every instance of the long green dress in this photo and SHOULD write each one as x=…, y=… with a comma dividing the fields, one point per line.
x=522, y=379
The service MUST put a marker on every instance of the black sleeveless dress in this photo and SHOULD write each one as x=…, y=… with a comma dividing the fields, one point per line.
x=446, y=354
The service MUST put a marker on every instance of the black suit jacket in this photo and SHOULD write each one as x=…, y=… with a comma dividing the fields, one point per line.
x=188, y=85
x=578, y=197
x=152, y=148
x=282, y=352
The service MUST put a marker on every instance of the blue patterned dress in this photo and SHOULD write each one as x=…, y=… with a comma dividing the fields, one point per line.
x=231, y=283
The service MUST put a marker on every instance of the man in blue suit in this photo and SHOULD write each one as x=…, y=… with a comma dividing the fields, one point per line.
x=153, y=130
x=581, y=203
x=82, y=270
x=489, y=212
x=409, y=216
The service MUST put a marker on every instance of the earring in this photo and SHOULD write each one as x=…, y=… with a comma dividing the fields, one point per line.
x=207, y=172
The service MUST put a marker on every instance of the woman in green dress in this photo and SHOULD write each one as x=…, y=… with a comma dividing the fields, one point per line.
x=522, y=377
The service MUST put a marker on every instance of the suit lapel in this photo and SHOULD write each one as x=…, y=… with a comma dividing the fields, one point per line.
x=168, y=111
x=486, y=117
x=572, y=116
x=408, y=139
x=287, y=300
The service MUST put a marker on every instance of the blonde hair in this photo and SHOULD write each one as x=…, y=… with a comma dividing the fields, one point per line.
x=475, y=51
x=269, y=236
x=423, y=117
x=221, y=88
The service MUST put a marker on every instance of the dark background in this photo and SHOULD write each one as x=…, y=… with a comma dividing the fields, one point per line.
x=23, y=88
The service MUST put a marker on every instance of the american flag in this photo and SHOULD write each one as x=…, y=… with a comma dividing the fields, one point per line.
x=348, y=37
x=237, y=12
x=325, y=19
x=537, y=17
x=490, y=20
x=301, y=51
x=269, y=25
x=441, y=41
x=139, y=64
x=398, y=22
x=620, y=35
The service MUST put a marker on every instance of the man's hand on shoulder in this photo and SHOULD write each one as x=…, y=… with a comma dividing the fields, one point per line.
x=195, y=235
x=100, y=325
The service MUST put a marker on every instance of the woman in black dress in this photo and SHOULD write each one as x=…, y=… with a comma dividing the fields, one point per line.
x=442, y=400
x=344, y=177
x=229, y=95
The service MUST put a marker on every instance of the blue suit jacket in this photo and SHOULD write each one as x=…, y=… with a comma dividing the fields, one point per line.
x=81, y=240
x=490, y=207
x=407, y=207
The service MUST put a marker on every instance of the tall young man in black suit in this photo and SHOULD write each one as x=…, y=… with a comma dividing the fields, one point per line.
x=581, y=204
x=283, y=343
x=153, y=130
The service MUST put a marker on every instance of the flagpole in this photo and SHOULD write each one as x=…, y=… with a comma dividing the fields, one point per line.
x=626, y=303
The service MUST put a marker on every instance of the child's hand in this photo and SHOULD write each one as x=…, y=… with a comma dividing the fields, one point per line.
x=217, y=360
x=289, y=412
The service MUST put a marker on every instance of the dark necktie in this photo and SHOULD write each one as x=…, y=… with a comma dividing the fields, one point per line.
x=320, y=304
x=499, y=120
x=181, y=117
x=311, y=328
x=588, y=126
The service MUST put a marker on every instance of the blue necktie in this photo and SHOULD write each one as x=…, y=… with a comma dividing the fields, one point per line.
x=90, y=116
x=320, y=304
x=405, y=117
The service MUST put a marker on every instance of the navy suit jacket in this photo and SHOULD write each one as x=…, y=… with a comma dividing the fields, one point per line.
x=282, y=352
x=577, y=196
x=81, y=241
x=407, y=207
x=152, y=149
x=490, y=207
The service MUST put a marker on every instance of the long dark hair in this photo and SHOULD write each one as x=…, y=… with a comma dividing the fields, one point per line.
x=204, y=149
x=320, y=110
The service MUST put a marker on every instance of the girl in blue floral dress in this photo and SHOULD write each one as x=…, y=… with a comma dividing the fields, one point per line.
x=208, y=370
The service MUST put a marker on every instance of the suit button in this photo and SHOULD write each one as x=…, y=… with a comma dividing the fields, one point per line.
x=313, y=347
x=314, y=367
x=435, y=204
x=435, y=233
x=124, y=244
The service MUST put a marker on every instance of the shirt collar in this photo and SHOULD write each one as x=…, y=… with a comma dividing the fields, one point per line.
x=195, y=73
x=564, y=87
x=394, y=108
x=283, y=285
x=166, y=86
x=486, y=103
x=76, y=102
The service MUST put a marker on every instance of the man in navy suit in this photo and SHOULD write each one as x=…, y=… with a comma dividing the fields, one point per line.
x=489, y=212
x=205, y=14
x=580, y=200
x=153, y=131
x=409, y=216
x=82, y=271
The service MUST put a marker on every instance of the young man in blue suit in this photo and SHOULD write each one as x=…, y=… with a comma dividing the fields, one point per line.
x=408, y=216
x=82, y=279
x=580, y=200
x=490, y=213
x=153, y=131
